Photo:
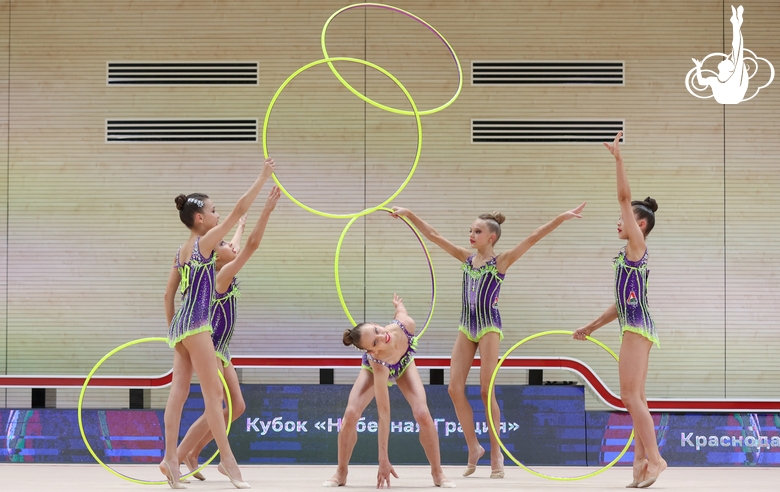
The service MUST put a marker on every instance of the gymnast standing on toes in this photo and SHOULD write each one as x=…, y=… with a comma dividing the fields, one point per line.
x=190, y=328
x=230, y=259
x=388, y=358
x=480, y=321
x=637, y=330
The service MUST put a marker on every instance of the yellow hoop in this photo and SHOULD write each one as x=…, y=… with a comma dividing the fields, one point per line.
x=414, y=112
x=81, y=425
x=427, y=255
x=496, y=434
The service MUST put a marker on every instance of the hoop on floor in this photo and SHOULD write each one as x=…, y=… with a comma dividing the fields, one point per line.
x=427, y=255
x=371, y=101
x=81, y=425
x=415, y=112
x=498, y=437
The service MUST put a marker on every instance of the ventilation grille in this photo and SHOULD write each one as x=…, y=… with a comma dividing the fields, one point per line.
x=205, y=73
x=539, y=131
x=555, y=73
x=181, y=130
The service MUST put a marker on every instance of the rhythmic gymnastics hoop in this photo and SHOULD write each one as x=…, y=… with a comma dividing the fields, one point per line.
x=415, y=112
x=427, y=255
x=496, y=434
x=84, y=436
x=371, y=101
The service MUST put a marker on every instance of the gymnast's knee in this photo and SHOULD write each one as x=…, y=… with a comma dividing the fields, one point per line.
x=239, y=407
x=422, y=415
x=351, y=417
x=456, y=390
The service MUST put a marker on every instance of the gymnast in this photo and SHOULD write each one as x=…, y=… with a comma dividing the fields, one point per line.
x=230, y=259
x=637, y=330
x=480, y=321
x=388, y=357
x=190, y=329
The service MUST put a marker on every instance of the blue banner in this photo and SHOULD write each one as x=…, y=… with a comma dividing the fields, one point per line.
x=540, y=425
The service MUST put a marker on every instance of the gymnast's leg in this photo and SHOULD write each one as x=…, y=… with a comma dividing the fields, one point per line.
x=412, y=388
x=460, y=363
x=180, y=389
x=361, y=395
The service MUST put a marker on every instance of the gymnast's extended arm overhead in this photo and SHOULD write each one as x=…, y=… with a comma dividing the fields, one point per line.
x=636, y=238
x=215, y=235
x=231, y=269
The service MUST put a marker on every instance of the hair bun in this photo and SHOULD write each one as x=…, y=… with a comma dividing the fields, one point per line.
x=347, y=338
x=498, y=217
x=180, y=201
x=651, y=204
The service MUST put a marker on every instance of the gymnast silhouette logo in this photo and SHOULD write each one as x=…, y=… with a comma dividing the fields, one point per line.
x=730, y=84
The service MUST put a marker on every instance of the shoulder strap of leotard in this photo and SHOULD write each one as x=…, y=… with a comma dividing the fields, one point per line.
x=178, y=264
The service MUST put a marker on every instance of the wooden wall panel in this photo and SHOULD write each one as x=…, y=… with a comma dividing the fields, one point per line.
x=93, y=227
x=751, y=150
x=4, y=53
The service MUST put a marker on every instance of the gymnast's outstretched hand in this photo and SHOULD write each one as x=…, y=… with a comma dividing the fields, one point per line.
x=573, y=213
x=614, y=149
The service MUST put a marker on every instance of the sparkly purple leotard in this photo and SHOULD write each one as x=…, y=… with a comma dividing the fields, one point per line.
x=481, y=287
x=631, y=297
x=223, y=320
x=197, y=291
x=397, y=369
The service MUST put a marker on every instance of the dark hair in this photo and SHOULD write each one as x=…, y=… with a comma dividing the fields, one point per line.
x=494, y=221
x=352, y=337
x=645, y=210
x=188, y=206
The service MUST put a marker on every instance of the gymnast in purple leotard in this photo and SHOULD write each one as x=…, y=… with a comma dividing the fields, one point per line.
x=230, y=259
x=637, y=330
x=388, y=358
x=190, y=328
x=480, y=322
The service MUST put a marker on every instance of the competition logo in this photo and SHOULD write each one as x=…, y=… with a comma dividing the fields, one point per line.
x=730, y=84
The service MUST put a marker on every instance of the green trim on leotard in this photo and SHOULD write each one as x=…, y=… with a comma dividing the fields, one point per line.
x=640, y=331
x=208, y=328
x=481, y=333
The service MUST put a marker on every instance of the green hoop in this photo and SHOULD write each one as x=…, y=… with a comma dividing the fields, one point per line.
x=427, y=255
x=415, y=112
x=371, y=101
x=498, y=437
x=81, y=425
